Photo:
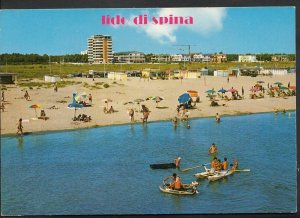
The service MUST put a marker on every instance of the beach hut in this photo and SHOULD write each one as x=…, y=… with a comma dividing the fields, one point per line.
x=204, y=71
x=52, y=78
x=221, y=73
x=152, y=73
x=8, y=78
x=117, y=76
x=274, y=71
x=192, y=74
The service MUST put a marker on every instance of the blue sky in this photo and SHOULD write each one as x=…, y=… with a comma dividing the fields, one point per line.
x=230, y=30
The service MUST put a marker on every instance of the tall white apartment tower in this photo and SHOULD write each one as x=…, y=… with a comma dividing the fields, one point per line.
x=100, y=49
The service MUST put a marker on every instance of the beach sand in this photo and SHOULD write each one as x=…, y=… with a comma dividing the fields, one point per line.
x=125, y=91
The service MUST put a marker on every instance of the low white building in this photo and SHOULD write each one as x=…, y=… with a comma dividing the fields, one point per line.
x=274, y=71
x=187, y=74
x=206, y=58
x=129, y=57
x=52, y=79
x=197, y=57
x=176, y=57
x=222, y=73
x=161, y=58
x=186, y=58
x=117, y=76
x=247, y=58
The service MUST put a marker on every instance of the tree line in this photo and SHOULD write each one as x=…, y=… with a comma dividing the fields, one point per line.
x=17, y=58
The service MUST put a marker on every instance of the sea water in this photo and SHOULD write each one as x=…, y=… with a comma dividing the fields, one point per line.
x=106, y=170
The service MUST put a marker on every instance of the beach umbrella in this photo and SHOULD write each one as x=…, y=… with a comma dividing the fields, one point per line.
x=128, y=102
x=74, y=105
x=35, y=106
x=157, y=99
x=210, y=91
x=274, y=88
x=192, y=93
x=282, y=88
x=232, y=90
x=139, y=100
x=260, y=81
x=292, y=87
x=278, y=83
x=184, y=98
x=222, y=90
x=80, y=97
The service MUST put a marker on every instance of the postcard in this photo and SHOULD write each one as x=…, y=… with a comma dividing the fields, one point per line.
x=156, y=111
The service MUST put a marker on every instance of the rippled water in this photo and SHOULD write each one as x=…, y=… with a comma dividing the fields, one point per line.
x=106, y=170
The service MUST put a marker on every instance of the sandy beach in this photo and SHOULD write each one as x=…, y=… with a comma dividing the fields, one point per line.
x=121, y=92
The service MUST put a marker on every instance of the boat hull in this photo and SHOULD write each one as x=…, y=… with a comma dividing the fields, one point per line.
x=163, y=166
x=190, y=191
x=219, y=175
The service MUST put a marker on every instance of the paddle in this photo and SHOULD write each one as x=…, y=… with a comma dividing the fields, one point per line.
x=194, y=167
x=242, y=170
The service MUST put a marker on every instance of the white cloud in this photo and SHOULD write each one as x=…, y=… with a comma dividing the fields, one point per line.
x=205, y=21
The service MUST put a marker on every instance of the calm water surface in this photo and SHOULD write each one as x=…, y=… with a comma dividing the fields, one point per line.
x=106, y=170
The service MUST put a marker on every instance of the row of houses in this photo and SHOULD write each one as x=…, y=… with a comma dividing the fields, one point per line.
x=99, y=51
x=139, y=57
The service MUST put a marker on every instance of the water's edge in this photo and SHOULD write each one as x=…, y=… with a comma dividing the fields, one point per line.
x=129, y=123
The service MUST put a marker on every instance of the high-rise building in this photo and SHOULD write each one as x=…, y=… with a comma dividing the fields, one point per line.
x=100, y=49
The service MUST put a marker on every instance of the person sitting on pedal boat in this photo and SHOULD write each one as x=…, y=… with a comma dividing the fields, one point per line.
x=178, y=183
x=213, y=162
x=225, y=164
x=236, y=163
x=219, y=165
x=173, y=177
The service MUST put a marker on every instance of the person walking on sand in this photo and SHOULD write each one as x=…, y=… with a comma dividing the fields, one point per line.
x=242, y=91
x=131, y=115
x=2, y=96
x=20, y=127
x=90, y=98
x=227, y=79
x=55, y=88
x=2, y=106
x=26, y=96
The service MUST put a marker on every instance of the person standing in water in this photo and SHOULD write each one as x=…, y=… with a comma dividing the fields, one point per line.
x=20, y=127
x=213, y=149
x=218, y=119
x=177, y=162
